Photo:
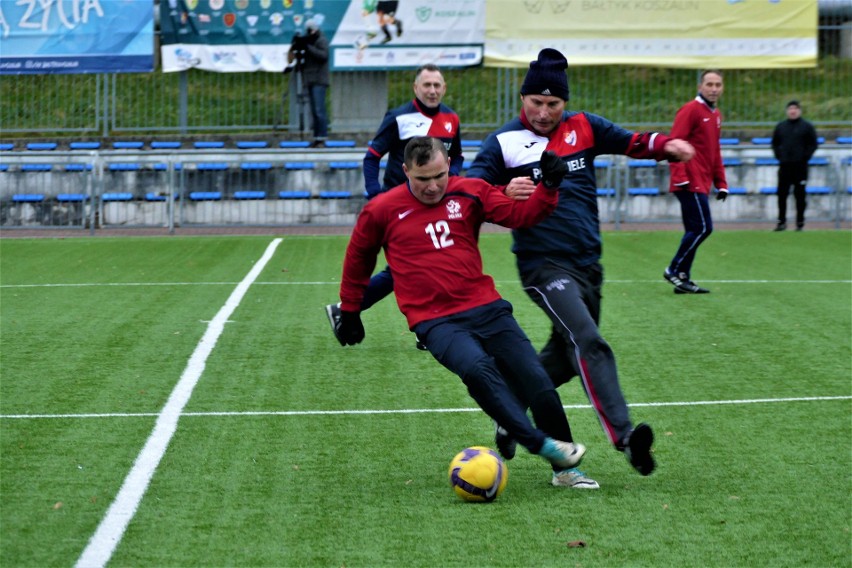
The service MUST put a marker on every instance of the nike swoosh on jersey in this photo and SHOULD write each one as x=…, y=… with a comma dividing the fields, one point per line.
x=404, y=214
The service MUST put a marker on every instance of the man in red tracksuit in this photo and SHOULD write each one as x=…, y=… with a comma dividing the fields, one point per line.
x=698, y=122
x=428, y=228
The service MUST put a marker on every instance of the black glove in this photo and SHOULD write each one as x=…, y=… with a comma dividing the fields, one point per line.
x=721, y=195
x=349, y=329
x=553, y=169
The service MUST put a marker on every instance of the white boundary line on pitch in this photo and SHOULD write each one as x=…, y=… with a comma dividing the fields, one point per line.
x=111, y=528
x=416, y=410
x=337, y=283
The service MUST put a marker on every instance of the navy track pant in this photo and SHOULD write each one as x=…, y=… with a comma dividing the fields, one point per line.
x=697, y=224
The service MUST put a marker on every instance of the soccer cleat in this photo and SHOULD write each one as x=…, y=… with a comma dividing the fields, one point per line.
x=562, y=454
x=419, y=344
x=333, y=313
x=637, y=448
x=573, y=478
x=682, y=284
x=506, y=444
x=780, y=227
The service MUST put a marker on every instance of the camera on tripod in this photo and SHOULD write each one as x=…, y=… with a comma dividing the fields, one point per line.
x=296, y=57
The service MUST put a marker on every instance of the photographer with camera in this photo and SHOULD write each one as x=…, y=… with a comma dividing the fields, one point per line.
x=308, y=56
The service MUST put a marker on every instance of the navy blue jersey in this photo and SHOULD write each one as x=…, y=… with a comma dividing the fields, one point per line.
x=571, y=235
x=398, y=127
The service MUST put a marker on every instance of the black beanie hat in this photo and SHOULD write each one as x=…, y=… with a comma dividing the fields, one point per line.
x=547, y=75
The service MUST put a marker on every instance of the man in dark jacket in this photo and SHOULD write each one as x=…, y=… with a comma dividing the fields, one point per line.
x=309, y=54
x=793, y=143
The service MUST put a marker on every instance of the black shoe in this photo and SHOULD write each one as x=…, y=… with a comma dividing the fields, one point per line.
x=421, y=346
x=780, y=227
x=637, y=448
x=398, y=27
x=506, y=444
x=800, y=227
x=690, y=287
x=333, y=313
x=317, y=144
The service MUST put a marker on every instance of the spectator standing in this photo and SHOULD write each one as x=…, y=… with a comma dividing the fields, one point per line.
x=699, y=122
x=559, y=258
x=794, y=142
x=309, y=54
x=425, y=115
x=429, y=229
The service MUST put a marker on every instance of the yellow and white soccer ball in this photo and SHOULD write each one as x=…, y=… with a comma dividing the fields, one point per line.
x=478, y=474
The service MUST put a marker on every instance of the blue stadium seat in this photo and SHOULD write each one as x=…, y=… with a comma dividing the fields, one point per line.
x=344, y=165
x=124, y=167
x=641, y=163
x=731, y=162
x=606, y=192
x=844, y=139
x=6, y=146
x=251, y=144
x=820, y=140
x=471, y=143
x=28, y=197
x=128, y=145
x=256, y=166
x=165, y=144
x=208, y=144
x=151, y=196
x=603, y=163
x=820, y=161
x=205, y=195
x=36, y=167
x=466, y=164
x=163, y=166
x=249, y=194
x=294, y=144
x=4, y=167
x=41, y=146
x=729, y=141
x=84, y=145
x=299, y=166
x=339, y=143
x=768, y=190
x=78, y=167
x=335, y=195
x=761, y=141
x=212, y=166
x=737, y=191
x=117, y=196
x=765, y=162
x=643, y=191
x=68, y=197
x=294, y=194
x=818, y=190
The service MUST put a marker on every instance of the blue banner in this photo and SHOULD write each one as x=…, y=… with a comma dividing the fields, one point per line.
x=76, y=36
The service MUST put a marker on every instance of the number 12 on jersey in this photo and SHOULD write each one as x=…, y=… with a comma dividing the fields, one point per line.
x=440, y=234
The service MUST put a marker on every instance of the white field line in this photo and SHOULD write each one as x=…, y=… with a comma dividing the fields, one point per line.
x=337, y=283
x=414, y=410
x=111, y=529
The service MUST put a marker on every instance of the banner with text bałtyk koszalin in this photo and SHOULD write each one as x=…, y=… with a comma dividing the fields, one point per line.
x=76, y=36
x=255, y=35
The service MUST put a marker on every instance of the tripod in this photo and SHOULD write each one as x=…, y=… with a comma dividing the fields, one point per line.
x=296, y=94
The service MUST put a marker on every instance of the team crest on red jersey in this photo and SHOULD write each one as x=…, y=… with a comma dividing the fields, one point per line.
x=448, y=126
x=571, y=138
x=453, y=209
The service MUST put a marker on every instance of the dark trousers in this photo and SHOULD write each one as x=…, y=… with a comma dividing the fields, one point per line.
x=495, y=360
x=380, y=286
x=571, y=298
x=793, y=175
x=697, y=224
x=316, y=96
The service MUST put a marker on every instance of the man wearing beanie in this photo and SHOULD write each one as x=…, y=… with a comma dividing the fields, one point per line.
x=794, y=142
x=559, y=259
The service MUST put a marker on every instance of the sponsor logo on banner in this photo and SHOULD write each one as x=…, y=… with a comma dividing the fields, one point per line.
x=217, y=4
x=424, y=13
x=192, y=4
x=265, y=4
x=229, y=19
x=252, y=20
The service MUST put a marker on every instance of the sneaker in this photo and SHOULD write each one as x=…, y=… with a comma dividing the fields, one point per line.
x=780, y=227
x=637, y=448
x=690, y=287
x=562, y=454
x=506, y=444
x=333, y=313
x=573, y=478
x=419, y=344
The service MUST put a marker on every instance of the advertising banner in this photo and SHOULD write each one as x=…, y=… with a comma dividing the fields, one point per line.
x=243, y=35
x=664, y=33
x=76, y=36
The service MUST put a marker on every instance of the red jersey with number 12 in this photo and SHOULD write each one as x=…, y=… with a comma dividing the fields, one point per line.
x=432, y=250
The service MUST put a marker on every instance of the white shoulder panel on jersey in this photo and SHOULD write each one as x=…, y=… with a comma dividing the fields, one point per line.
x=521, y=147
x=413, y=124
